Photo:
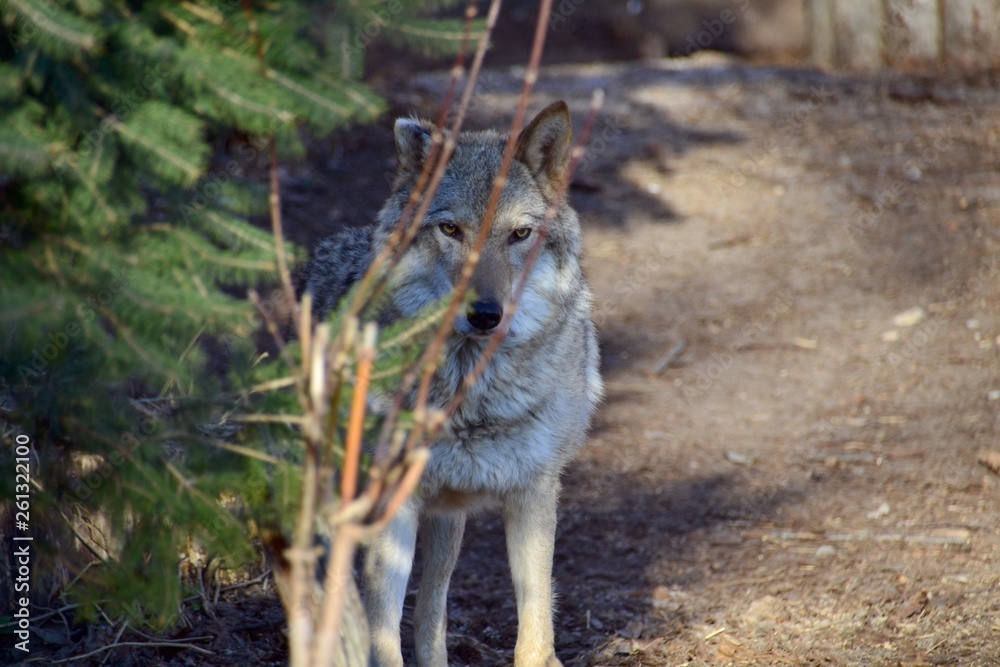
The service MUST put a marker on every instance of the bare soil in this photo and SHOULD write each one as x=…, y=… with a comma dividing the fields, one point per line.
x=784, y=472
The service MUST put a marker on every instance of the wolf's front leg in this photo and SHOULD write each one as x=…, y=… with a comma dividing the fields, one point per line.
x=530, y=522
x=387, y=569
x=441, y=540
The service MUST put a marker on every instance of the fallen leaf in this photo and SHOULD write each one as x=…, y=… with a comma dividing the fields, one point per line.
x=914, y=605
x=990, y=459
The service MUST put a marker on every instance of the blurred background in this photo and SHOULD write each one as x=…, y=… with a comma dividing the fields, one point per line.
x=840, y=33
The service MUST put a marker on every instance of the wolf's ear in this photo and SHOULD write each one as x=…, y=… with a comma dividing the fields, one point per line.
x=413, y=144
x=544, y=147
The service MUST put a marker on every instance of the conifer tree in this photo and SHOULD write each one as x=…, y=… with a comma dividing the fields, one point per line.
x=125, y=255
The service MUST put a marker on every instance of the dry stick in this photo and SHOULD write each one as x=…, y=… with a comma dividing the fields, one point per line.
x=352, y=450
x=156, y=644
x=348, y=534
x=279, y=238
x=336, y=583
x=411, y=377
x=301, y=557
x=417, y=461
x=406, y=229
x=536, y=248
x=345, y=540
x=272, y=328
x=426, y=199
x=300, y=625
x=434, y=350
x=274, y=198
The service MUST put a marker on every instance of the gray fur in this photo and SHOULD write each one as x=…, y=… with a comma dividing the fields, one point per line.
x=529, y=413
x=337, y=263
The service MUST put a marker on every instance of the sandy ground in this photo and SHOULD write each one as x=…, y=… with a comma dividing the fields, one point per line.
x=797, y=282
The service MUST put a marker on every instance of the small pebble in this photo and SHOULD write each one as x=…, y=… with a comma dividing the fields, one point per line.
x=739, y=459
x=890, y=336
x=879, y=512
x=909, y=318
x=825, y=551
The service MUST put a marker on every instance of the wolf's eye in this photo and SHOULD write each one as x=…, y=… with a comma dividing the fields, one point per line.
x=520, y=234
x=450, y=229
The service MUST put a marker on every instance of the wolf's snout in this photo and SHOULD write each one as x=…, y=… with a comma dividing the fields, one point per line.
x=484, y=314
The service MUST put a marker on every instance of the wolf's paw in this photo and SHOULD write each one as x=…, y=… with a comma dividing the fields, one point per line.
x=536, y=659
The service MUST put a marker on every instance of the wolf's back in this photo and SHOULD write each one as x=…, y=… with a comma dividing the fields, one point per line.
x=337, y=263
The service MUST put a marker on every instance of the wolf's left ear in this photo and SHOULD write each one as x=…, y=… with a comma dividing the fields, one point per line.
x=413, y=144
x=544, y=147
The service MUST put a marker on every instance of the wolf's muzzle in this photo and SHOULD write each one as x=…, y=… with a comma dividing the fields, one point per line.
x=484, y=314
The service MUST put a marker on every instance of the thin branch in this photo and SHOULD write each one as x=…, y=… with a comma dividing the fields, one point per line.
x=352, y=451
x=417, y=460
x=536, y=248
x=433, y=352
x=338, y=576
x=157, y=644
x=423, y=192
x=272, y=327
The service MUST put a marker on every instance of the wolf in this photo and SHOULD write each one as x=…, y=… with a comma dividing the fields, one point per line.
x=529, y=412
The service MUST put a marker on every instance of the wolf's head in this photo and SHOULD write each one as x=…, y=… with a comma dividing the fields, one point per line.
x=433, y=264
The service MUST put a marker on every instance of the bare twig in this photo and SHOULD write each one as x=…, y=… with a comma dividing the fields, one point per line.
x=536, y=248
x=41, y=617
x=432, y=169
x=352, y=452
x=430, y=358
x=259, y=579
x=272, y=327
x=117, y=638
x=274, y=197
x=991, y=460
x=669, y=358
x=156, y=644
x=338, y=575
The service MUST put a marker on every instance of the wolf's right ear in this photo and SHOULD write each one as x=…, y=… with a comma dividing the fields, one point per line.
x=413, y=144
x=544, y=147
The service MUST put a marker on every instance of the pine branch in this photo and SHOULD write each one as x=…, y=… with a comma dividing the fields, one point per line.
x=56, y=31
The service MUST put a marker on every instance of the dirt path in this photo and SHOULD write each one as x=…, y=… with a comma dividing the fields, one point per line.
x=800, y=486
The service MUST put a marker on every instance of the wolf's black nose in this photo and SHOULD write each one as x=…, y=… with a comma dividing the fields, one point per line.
x=485, y=314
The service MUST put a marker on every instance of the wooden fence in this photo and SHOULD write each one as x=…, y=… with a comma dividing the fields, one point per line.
x=905, y=33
